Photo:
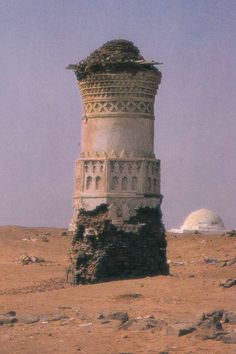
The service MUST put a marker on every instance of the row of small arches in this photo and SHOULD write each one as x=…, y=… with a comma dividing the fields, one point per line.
x=153, y=169
x=152, y=185
x=124, y=183
x=94, y=168
x=89, y=183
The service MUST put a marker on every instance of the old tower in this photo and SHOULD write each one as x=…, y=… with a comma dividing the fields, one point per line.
x=116, y=204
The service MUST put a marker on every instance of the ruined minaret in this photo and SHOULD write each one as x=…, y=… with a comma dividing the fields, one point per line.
x=117, y=174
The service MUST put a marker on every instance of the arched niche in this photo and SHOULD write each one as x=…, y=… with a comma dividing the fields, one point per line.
x=89, y=182
x=98, y=183
x=124, y=184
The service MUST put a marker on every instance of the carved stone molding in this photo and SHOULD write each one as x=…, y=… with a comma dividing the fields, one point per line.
x=97, y=109
x=115, y=94
x=110, y=85
x=113, y=154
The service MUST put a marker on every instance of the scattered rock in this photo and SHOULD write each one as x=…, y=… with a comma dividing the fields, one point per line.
x=101, y=316
x=64, y=307
x=209, y=333
x=209, y=326
x=148, y=316
x=10, y=317
x=85, y=324
x=104, y=321
x=127, y=324
x=10, y=313
x=148, y=323
x=120, y=316
x=64, y=323
x=7, y=320
x=229, y=338
x=200, y=319
x=26, y=259
x=216, y=315
x=231, y=262
x=231, y=233
x=228, y=262
x=129, y=296
x=141, y=323
x=180, y=329
x=176, y=263
x=229, y=317
x=186, y=330
x=50, y=318
x=44, y=238
x=228, y=283
x=211, y=320
x=28, y=238
x=29, y=319
x=210, y=260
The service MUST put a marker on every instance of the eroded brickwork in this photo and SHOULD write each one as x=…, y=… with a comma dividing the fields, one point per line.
x=102, y=251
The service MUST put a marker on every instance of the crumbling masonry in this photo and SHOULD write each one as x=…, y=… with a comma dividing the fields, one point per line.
x=117, y=221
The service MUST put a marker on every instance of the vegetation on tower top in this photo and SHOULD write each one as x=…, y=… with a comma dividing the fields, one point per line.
x=114, y=56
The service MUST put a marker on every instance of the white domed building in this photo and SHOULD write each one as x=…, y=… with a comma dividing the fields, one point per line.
x=203, y=220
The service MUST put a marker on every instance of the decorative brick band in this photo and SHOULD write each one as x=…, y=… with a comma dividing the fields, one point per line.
x=94, y=109
x=119, y=94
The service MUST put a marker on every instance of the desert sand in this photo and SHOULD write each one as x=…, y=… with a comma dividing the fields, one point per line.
x=54, y=317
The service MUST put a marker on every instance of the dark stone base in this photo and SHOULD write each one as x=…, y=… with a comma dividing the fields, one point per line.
x=101, y=252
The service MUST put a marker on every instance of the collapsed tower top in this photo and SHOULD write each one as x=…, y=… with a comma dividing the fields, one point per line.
x=117, y=55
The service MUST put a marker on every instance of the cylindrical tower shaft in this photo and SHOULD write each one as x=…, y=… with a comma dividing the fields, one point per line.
x=117, y=217
x=115, y=106
x=117, y=165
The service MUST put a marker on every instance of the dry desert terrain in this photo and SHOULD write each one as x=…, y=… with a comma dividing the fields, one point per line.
x=40, y=313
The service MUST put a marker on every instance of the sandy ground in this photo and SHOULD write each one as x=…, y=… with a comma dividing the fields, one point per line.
x=66, y=317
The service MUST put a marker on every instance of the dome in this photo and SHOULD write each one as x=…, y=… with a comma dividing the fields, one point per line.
x=203, y=220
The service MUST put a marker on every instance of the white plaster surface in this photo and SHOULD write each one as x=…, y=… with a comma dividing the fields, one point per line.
x=203, y=220
x=117, y=165
x=121, y=133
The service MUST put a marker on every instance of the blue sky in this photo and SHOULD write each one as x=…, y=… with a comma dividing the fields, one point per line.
x=40, y=108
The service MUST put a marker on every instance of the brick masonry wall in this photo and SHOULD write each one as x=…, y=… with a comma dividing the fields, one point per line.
x=101, y=251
